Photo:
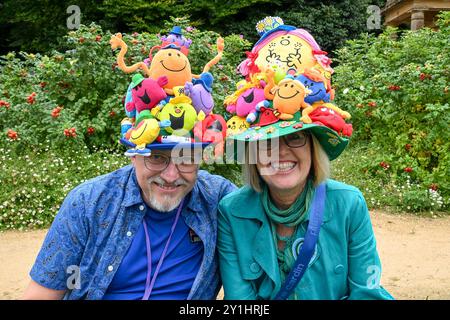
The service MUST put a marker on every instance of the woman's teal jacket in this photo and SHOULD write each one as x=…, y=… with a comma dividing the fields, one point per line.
x=345, y=265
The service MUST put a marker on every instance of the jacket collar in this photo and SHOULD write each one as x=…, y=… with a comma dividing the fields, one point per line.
x=254, y=209
x=263, y=247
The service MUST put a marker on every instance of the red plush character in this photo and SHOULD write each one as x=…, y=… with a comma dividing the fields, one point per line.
x=146, y=93
x=331, y=119
x=212, y=129
x=267, y=116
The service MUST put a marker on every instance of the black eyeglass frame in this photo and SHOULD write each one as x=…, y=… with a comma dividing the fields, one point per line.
x=182, y=168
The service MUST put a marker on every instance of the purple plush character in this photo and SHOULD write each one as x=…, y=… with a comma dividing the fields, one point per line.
x=199, y=90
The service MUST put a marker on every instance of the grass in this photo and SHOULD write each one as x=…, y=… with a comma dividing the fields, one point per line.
x=383, y=190
x=34, y=184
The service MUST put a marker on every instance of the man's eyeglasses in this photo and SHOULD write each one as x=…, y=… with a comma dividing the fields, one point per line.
x=293, y=140
x=160, y=161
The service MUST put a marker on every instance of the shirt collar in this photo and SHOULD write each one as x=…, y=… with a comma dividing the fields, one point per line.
x=132, y=191
x=193, y=202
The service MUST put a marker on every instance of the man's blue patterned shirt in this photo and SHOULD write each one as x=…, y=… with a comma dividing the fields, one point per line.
x=97, y=222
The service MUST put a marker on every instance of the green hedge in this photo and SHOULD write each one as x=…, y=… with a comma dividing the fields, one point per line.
x=396, y=88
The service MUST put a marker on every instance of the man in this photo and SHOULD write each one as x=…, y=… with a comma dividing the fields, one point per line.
x=145, y=231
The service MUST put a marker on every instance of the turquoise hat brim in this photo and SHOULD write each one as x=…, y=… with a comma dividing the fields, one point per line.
x=332, y=143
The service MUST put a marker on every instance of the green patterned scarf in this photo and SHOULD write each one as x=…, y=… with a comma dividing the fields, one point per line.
x=290, y=217
x=295, y=214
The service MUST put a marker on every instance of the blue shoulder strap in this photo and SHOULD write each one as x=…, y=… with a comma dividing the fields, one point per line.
x=309, y=244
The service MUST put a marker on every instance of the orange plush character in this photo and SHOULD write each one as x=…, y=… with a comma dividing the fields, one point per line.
x=288, y=96
x=171, y=60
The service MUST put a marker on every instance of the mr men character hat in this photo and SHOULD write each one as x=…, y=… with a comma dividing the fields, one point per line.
x=162, y=106
x=294, y=76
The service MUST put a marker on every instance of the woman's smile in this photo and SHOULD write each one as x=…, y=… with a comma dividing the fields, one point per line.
x=283, y=167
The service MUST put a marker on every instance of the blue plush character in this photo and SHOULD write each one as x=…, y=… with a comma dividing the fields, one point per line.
x=314, y=81
x=129, y=99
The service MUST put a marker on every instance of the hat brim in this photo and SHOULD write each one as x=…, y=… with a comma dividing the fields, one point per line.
x=166, y=146
x=169, y=146
x=332, y=143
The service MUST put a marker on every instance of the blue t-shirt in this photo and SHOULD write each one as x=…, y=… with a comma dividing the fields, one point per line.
x=178, y=271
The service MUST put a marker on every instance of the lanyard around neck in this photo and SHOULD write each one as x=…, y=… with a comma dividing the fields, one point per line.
x=149, y=284
x=309, y=244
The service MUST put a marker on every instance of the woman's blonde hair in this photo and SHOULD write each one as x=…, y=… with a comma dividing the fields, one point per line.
x=320, y=167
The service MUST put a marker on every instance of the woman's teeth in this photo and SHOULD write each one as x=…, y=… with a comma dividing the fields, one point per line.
x=283, y=166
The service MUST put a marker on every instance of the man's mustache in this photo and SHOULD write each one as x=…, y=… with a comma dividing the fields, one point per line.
x=179, y=182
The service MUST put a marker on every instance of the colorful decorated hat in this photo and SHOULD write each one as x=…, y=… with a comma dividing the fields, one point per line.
x=163, y=107
x=287, y=88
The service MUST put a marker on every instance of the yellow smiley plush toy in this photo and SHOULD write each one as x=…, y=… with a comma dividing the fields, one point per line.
x=181, y=114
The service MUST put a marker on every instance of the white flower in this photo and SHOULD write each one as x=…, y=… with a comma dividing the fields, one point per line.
x=361, y=88
x=346, y=90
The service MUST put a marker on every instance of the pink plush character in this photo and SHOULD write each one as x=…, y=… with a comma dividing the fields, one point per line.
x=245, y=104
x=146, y=93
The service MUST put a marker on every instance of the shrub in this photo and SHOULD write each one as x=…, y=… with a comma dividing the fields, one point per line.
x=381, y=188
x=396, y=88
x=34, y=185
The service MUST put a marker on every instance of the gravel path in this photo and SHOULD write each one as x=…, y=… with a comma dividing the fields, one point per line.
x=415, y=253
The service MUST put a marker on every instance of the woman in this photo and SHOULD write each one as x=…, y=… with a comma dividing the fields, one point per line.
x=290, y=210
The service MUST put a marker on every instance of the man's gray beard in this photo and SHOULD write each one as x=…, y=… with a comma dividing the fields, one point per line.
x=168, y=203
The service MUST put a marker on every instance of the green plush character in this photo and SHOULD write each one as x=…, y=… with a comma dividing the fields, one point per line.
x=182, y=115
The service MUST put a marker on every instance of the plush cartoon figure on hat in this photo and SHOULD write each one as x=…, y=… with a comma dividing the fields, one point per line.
x=200, y=92
x=289, y=97
x=181, y=114
x=212, y=129
x=281, y=46
x=146, y=93
x=314, y=81
x=237, y=125
x=306, y=112
x=171, y=60
x=175, y=39
x=330, y=118
x=243, y=102
x=144, y=133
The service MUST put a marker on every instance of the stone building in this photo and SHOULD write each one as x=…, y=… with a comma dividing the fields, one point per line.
x=413, y=13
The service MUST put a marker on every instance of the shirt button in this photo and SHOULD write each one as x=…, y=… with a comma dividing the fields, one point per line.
x=339, y=269
x=110, y=268
x=141, y=207
x=129, y=234
x=254, y=267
